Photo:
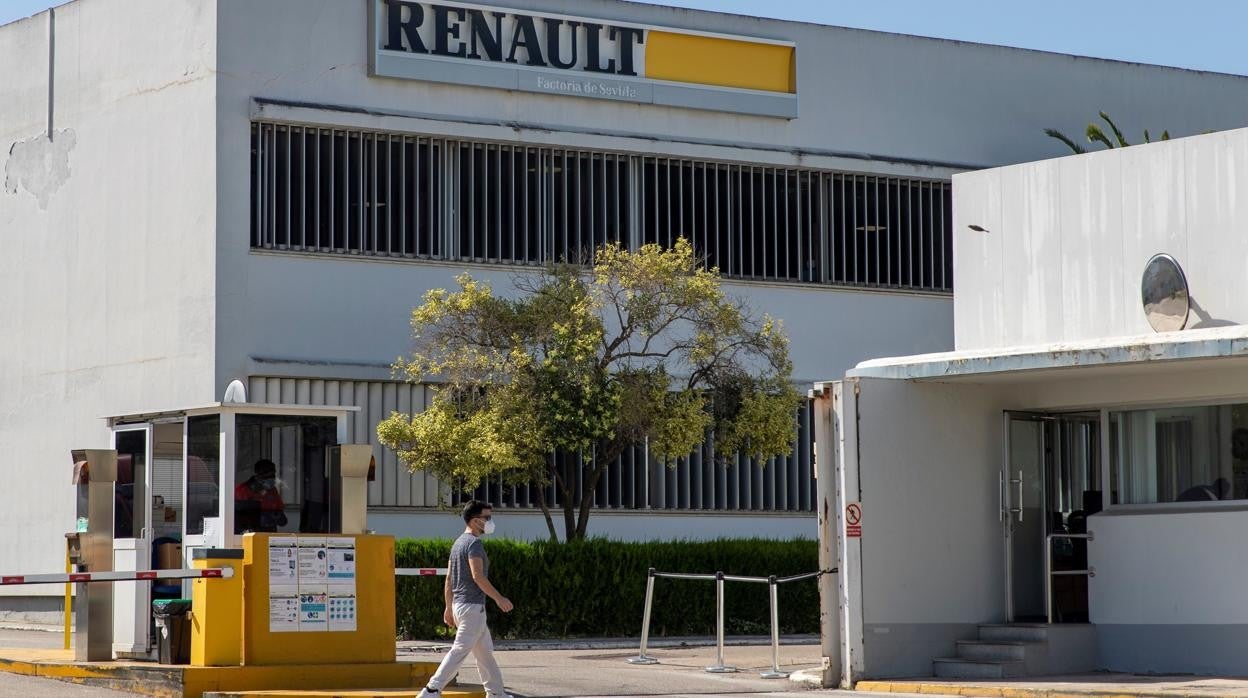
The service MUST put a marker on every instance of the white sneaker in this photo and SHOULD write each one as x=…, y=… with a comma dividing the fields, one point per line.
x=427, y=692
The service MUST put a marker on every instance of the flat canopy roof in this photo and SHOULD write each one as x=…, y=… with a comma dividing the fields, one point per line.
x=1194, y=346
x=245, y=407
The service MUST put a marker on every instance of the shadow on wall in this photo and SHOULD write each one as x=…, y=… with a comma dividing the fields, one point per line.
x=1206, y=320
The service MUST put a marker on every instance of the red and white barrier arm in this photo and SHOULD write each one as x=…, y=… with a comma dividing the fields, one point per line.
x=143, y=575
x=420, y=571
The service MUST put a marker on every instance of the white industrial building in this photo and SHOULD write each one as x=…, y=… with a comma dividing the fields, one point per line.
x=203, y=191
x=1066, y=490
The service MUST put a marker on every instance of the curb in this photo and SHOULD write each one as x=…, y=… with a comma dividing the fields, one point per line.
x=617, y=643
x=981, y=691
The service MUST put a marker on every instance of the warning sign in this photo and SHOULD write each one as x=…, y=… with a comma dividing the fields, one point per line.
x=853, y=520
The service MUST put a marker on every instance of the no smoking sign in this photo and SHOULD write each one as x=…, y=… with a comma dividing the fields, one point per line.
x=853, y=520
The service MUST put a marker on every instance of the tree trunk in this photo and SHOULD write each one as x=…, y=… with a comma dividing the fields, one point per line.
x=569, y=517
x=610, y=451
x=569, y=508
x=550, y=523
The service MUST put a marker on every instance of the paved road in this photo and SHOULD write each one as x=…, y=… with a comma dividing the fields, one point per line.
x=545, y=673
x=27, y=687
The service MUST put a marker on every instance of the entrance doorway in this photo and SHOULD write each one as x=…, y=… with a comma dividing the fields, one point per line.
x=147, y=531
x=1049, y=485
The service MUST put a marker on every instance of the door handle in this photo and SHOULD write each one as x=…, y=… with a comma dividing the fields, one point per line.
x=1000, y=495
x=1018, y=503
x=1020, y=496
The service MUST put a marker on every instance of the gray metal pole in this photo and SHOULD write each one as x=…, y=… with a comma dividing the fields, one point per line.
x=642, y=657
x=828, y=509
x=719, y=667
x=775, y=672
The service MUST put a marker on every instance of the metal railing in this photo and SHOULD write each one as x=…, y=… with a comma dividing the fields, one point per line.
x=1050, y=573
x=720, y=578
x=399, y=195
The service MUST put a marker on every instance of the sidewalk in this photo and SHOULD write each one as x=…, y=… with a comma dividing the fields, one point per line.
x=1100, y=685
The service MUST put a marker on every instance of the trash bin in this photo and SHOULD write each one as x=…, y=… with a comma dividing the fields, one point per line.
x=173, y=629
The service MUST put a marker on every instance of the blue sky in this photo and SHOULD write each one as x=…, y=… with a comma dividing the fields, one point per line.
x=1198, y=34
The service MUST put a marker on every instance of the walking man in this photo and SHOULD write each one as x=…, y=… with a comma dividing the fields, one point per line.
x=467, y=585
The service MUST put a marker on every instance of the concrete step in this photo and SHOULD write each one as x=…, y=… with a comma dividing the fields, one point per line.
x=954, y=668
x=998, y=651
x=1015, y=632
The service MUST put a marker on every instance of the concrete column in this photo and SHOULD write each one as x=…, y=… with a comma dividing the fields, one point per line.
x=828, y=507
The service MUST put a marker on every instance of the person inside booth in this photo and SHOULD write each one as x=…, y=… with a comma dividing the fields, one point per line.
x=258, y=504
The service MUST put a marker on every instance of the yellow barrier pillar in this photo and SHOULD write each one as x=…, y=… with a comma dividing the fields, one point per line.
x=69, y=598
x=217, y=610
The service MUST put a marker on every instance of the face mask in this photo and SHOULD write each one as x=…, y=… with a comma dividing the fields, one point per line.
x=266, y=483
x=489, y=527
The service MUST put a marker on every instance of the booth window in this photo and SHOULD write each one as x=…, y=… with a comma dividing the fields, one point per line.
x=1182, y=454
x=280, y=475
x=129, y=496
x=203, y=469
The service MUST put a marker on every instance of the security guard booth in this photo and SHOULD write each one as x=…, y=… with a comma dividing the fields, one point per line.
x=187, y=480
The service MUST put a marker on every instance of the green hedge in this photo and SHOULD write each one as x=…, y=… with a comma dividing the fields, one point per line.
x=596, y=588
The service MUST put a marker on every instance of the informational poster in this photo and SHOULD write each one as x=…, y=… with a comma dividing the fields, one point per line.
x=313, y=609
x=283, y=562
x=283, y=585
x=313, y=561
x=341, y=569
x=341, y=612
x=312, y=584
x=283, y=610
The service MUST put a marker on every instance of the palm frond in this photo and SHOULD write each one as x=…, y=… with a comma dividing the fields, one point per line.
x=1096, y=135
x=1074, y=147
x=1114, y=127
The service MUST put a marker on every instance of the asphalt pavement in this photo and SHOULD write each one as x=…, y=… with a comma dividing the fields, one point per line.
x=562, y=673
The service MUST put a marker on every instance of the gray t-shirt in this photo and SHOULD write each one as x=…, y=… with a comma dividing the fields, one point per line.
x=464, y=588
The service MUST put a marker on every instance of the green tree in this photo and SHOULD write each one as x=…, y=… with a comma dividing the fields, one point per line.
x=591, y=359
x=1094, y=134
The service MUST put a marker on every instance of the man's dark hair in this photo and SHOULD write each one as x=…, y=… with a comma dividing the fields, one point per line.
x=474, y=508
x=264, y=465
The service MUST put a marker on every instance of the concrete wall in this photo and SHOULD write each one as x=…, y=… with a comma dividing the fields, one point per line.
x=859, y=91
x=946, y=104
x=932, y=547
x=1070, y=239
x=107, y=268
x=1167, y=595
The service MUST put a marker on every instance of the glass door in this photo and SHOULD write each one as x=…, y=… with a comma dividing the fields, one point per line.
x=132, y=505
x=166, y=511
x=1073, y=486
x=1022, y=495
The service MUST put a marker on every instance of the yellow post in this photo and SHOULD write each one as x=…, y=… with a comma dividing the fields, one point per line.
x=69, y=597
x=217, y=611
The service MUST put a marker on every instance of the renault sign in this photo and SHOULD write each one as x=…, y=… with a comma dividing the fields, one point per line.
x=469, y=44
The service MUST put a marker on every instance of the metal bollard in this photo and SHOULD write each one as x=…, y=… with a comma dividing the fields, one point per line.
x=642, y=657
x=775, y=672
x=719, y=667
